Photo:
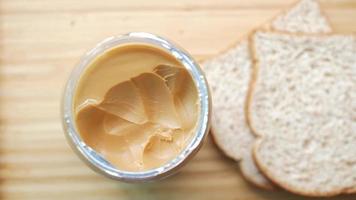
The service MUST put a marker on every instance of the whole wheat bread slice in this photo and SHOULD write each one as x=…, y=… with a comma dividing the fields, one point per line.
x=303, y=106
x=304, y=17
x=229, y=75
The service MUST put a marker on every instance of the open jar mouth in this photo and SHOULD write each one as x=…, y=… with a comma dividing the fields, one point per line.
x=97, y=162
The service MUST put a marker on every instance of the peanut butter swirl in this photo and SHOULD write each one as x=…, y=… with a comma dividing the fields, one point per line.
x=143, y=122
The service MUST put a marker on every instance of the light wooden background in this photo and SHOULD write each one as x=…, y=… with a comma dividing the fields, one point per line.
x=41, y=41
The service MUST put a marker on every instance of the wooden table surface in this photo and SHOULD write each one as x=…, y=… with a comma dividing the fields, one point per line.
x=41, y=41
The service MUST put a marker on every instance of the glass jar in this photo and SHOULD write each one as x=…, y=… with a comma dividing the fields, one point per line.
x=97, y=162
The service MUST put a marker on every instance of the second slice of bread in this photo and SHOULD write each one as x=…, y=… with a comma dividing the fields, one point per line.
x=229, y=75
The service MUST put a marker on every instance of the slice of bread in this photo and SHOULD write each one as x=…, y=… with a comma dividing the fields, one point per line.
x=229, y=75
x=303, y=106
x=305, y=17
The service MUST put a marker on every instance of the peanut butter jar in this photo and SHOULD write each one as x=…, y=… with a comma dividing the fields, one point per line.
x=136, y=107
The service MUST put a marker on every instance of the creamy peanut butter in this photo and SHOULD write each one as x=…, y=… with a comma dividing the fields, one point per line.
x=137, y=106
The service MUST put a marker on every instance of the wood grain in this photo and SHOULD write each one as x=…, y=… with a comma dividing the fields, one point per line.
x=40, y=42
